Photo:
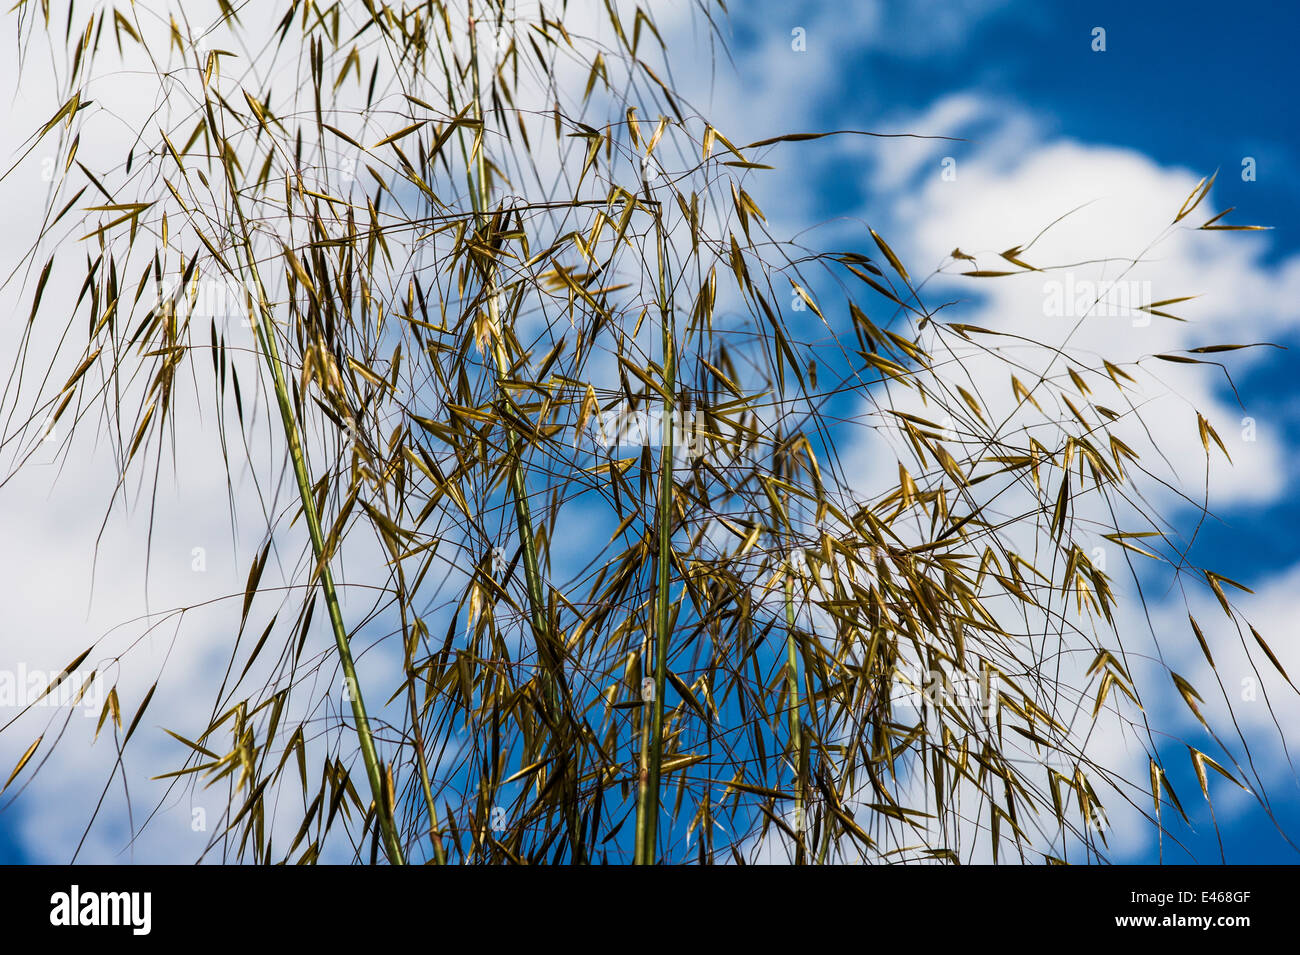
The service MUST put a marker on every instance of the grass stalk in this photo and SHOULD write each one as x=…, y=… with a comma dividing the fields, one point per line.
x=365, y=736
x=298, y=455
x=523, y=515
x=652, y=731
x=796, y=732
x=263, y=328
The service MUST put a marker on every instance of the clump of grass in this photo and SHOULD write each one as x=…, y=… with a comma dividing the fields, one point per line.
x=461, y=260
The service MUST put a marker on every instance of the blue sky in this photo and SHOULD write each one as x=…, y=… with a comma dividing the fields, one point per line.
x=1196, y=85
x=1181, y=88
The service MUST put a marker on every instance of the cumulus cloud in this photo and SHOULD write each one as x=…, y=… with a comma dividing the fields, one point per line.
x=1110, y=213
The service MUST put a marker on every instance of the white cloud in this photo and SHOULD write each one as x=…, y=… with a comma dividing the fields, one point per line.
x=1012, y=181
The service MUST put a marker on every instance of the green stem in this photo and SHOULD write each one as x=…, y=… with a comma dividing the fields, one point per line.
x=435, y=835
x=652, y=738
x=365, y=736
x=523, y=515
x=792, y=689
x=297, y=453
